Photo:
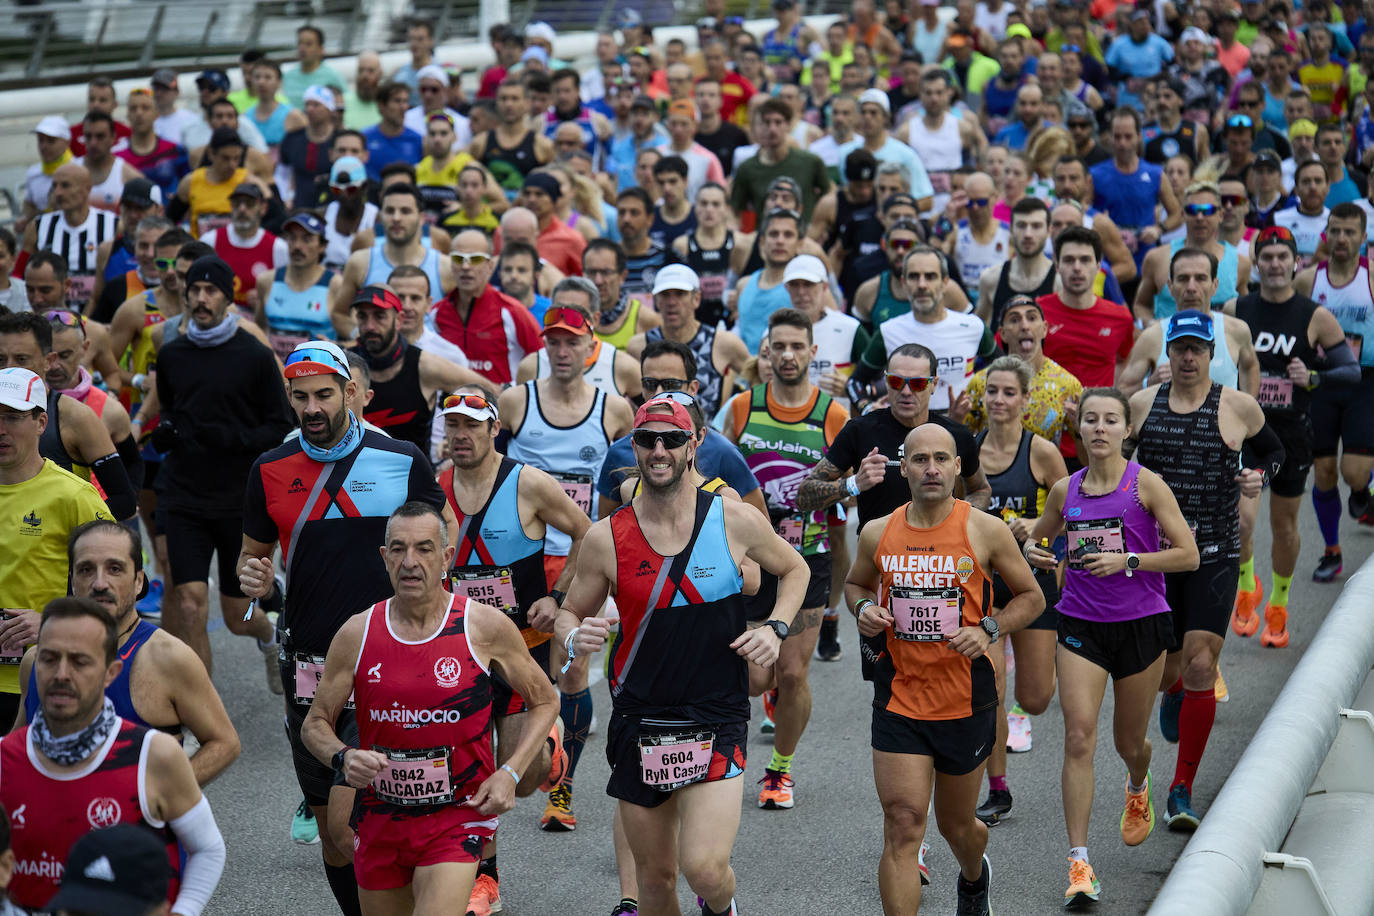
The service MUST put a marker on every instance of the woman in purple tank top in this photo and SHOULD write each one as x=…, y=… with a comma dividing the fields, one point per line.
x=1121, y=521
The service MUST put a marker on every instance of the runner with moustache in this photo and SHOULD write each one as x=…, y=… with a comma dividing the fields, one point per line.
x=1287, y=328
x=564, y=425
x=623, y=314
x=419, y=667
x=293, y=301
x=1021, y=467
x=325, y=496
x=1114, y=621
x=608, y=368
x=720, y=355
x=161, y=685
x=935, y=696
x=1190, y=431
x=505, y=510
x=1030, y=272
x=87, y=767
x=679, y=672
x=1343, y=415
x=783, y=428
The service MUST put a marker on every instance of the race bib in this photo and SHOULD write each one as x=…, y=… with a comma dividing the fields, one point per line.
x=791, y=529
x=579, y=490
x=925, y=614
x=1275, y=391
x=283, y=344
x=207, y=221
x=309, y=671
x=713, y=287
x=668, y=762
x=415, y=777
x=487, y=584
x=1102, y=535
x=79, y=289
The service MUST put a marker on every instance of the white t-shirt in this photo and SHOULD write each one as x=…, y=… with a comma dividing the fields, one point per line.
x=450, y=351
x=954, y=340
x=834, y=336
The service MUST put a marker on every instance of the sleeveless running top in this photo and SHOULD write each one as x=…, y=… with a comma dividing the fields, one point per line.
x=430, y=699
x=1003, y=294
x=1227, y=269
x=140, y=354
x=712, y=266
x=246, y=262
x=295, y=317
x=337, y=245
x=755, y=306
x=781, y=455
x=974, y=257
x=714, y=485
x=680, y=613
x=1112, y=522
x=509, y=165
x=1015, y=491
x=1352, y=305
x=599, y=370
x=1187, y=450
x=710, y=382
x=379, y=268
x=931, y=581
x=209, y=201
x=399, y=407
x=571, y=454
x=885, y=304
x=105, y=194
x=777, y=51
x=1279, y=330
x=273, y=127
x=940, y=150
x=620, y=337
x=50, y=443
x=664, y=233
x=1223, y=370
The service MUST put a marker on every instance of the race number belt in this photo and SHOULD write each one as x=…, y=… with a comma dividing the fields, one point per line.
x=672, y=760
x=1275, y=391
x=421, y=776
x=925, y=614
x=309, y=669
x=1101, y=535
x=487, y=584
x=579, y=490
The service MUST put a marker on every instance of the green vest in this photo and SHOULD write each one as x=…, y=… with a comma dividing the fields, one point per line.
x=781, y=455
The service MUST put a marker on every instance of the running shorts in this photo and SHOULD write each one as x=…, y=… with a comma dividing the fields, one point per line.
x=387, y=850
x=314, y=778
x=1202, y=599
x=1344, y=415
x=1296, y=435
x=957, y=746
x=1049, y=587
x=623, y=754
x=759, y=606
x=1120, y=647
x=504, y=700
x=193, y=539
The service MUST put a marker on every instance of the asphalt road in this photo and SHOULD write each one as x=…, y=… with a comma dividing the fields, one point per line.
x=818, y=858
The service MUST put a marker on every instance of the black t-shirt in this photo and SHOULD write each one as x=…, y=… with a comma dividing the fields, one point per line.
x=861, y=434
x=728, y=138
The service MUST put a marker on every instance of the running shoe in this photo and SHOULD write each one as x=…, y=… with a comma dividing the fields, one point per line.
x=1170, y=704
x=269, y=658
x=1275, y=635
x=1138, y=819
x=486, y=897
x=1180, y=809
x=1018, y=731
x=1358, y=503
x=1084, y=888
x=558, y=766
x=1220, y=688
x=777, y=790
x=558, y=815
x=975, y=902
x=628, y=906
x=828, y=644
x=305, y=830
x=1328, y=567
x=999, y=803
x=149, y=607
x=770, y=703
x=1244, y=620
x=921, y=863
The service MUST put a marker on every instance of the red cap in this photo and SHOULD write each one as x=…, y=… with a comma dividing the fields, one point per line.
x=664, y=410
x=377, y=295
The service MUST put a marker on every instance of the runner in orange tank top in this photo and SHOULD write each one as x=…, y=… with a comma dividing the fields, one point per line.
x=922, y=576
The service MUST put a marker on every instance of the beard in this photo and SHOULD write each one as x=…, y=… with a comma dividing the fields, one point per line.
x=333, y=426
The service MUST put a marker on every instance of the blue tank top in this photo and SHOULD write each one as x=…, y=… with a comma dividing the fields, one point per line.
x=1128, y=198
x=1165, y=305
x=755, y=307
x=1224, y=370
x=379, y=268
x=293, y=317
x=274, y=128
x=778, y=51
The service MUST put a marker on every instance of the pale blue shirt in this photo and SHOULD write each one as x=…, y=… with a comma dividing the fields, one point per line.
x=894, y=150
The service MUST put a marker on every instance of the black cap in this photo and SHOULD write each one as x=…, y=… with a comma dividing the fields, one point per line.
x=860, y=165
x=893, y=200
x=165, y=77
x=140, y=192
x=213, y=79
x=210, y=269
x=225, y=136
x=643, y=101
x=118, y=871
x=784, y=4
x=247, y=189
x=1267, y=158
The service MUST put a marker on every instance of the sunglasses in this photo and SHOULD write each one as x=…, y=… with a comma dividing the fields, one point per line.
x=475, y=401
x=649, y=383
x=345, y=188
x=141, y=91
x=66, y=318
x=1199, y=209
x=1275, y=232
x=677, y=397
x=1080, y=125
x=901, y=244
x=1072, y=49
x=671, y=438
x=570, y=317
x=1240, y=121
x=470, y=260
x=979, y=201
x=165, y=264
x=918, y=384
x=1232, y=200
x=318, y=355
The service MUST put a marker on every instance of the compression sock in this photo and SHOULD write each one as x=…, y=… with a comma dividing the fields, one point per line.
x=832, y=613
x=1175, y=688
x=488, y=867
x=1328, y=506
x=997, y=783
x=343, y=884
x=1194, y=726
x=781, y=763
x=576, y=709
x=1247, y=575
x=1279, y=595
x=1080, y=853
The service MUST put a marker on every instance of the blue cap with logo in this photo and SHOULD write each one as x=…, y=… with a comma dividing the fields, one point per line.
x=1189, y=323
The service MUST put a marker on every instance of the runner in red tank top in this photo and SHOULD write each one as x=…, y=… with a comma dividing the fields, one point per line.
x=419, y=666
x=245, y=246
x=79, y=767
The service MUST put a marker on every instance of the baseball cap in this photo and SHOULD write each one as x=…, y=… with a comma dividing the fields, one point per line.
x=1267, y=158
x=709, y=22
x=321, y=94
x=165, y=77
x=786, y=183
x=535, y=52
x=643, y=101
x=53, y=126
x=684, y=107
x=678, y=277
x=141, y=193
x=860, y=165
x=664, y=410
x=1018, y=30
x=348, y=170
x=1189, y=323
x=316, y=357
x=559, y=318
x=307, y=221
x=784, y=4
x=1193, y=33
x=247, y=189
x=22, y=390
x=876, y=97
x=433, y=72
x=1140, y=15
x=806, y=267
x=1302, y=127
x=118, y=871
x=540, y=31
x=893, y=200
x=545, y=182
x=1276, y=235
x=213, y=79
x=630, y=18
x=225, y=136
x=958, y=40
x=470, y=405
x=378, y=296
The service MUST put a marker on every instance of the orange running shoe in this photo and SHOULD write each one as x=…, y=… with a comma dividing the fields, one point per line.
x=558, y=766
x=1138, y=820
x=776, y=791
x=1220, y=687
x=486, y=897
x=1244, y=620
x=558, y=815
x=1275, y=635
x=1083, y=884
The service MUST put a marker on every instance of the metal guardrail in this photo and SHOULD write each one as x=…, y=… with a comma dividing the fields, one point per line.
x=1222, y=867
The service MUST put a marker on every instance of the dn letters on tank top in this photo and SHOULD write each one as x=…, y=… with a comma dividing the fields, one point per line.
x=1280, y=331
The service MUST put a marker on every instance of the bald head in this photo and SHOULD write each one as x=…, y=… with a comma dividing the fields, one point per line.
x=930, y=463
x=931, y=436
x=979, y=185
x=472, y=241
x=73, y=173
x=1029, y=93
x=520, y=225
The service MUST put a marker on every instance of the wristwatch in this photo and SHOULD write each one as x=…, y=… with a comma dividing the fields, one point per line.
x=338, y=760
x=778, y=627
x=989, y=626
x=1132, y=564
x=558, y=596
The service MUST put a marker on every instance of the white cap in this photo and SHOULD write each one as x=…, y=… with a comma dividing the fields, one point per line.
x=1193, y=33
x=467, y=410
x=433, y=72
x=22, y=390
x=540, y=31
x=322, y=94
x=806, y=267
x=53, y=126
x=876, y=97
x=676, y=276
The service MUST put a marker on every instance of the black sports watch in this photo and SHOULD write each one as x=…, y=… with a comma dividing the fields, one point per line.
x=1132, y=564
x=989, y=626
x=558, y=596
x=778, y=627
x=338, y=760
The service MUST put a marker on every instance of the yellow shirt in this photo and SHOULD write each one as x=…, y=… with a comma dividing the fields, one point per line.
x=447, y=176
x=209, y=201
x=36, y=516
x=1046, y=415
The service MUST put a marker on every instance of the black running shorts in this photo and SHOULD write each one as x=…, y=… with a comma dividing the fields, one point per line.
x=314, y=778
x=1296, y=435
x=1202, y=599
x=623, y=754
x=957, y=746
x=759, y=606
x=1343, y=415
x=1120, y=647
x=193, y=539
x=1049, y=587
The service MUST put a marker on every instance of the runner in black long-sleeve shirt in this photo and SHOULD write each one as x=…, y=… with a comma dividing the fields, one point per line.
x=223, y=405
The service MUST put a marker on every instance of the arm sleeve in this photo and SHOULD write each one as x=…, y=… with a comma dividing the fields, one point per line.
x=114, y=480
x=1264, y=450
x=132, y=458
x=199, y=835
x=177, y=208
x=1340, y=366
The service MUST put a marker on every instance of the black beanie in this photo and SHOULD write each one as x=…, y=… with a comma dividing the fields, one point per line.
x=210, y=269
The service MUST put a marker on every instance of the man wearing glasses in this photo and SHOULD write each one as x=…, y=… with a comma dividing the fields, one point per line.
x=980, y=242
x=298, y=494
x=1202, y=218
x=885, y=296
x=1250, y=102
x=1083, y=129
